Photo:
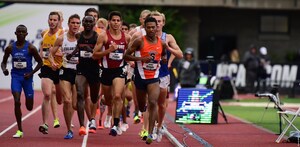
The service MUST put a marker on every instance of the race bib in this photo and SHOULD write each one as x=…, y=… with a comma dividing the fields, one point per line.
x=73, y=60
x=116, y=56
x=45, y=52
x=61, y=72
x=20, y=65
x=150, y=66
x=85, y=54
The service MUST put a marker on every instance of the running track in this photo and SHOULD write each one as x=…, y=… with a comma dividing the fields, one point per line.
x=236, y=133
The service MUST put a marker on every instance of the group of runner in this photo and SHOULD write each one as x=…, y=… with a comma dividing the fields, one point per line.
x=103, y=63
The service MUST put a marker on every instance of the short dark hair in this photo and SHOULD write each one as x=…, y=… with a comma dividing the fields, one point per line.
x=114, y=13
x=73, y=16
x=150, y=19
x=54, y=13
x=21, y=25
x=87, y=11
x=125, y=24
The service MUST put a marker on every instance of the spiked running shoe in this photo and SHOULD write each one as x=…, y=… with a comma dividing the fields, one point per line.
x=69, y=135
x=143, y=134
x=136, y=119
x=92, y=126
x=159, y=135
x=18, y=134
x=82, y=131
x=43, y=128
x=56, y=123
x=149, y=139
x=107, y=122
x=124, y=127
x=115, y=131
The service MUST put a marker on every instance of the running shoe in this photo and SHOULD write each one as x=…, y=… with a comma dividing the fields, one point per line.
x=149, y=139
x=100, y=125
x=56, y=123
x=92, y=126
x=43, y=128
x=136, y=119
x=18, y=134
x=124, y=127
x=107, y=122
x=69, y=135
x=115, y=131
x=143, y=134
x=159, y=135
x=82, y=131
x=154, y=133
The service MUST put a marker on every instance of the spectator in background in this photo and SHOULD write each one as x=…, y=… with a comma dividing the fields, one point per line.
x=188, y=70
x=251, y=63
x=264, y=61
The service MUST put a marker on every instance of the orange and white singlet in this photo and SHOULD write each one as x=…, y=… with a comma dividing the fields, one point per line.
x=149, y=70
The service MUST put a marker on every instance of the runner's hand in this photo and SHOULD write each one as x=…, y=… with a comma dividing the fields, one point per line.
x=5, y=72
x=27, y=75
x=69, y=56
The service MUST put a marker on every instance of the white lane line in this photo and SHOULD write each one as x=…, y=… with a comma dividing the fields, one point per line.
x=25, y=117
x=173, y=139
x=85, y=138
x=6, y=99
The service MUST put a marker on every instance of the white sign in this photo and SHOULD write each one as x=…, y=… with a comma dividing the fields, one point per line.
x=281, y=74
x=35, y=18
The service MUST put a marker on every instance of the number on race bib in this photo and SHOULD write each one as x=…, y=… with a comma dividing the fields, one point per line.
x=20, y=65
x=45, y=52
x=150, y=66
x=85, y=54
x=116, y=56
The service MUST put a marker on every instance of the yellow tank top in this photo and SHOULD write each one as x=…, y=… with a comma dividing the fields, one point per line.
x=48, y=42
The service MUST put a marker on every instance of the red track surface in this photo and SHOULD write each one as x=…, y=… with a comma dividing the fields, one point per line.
x=236, y=133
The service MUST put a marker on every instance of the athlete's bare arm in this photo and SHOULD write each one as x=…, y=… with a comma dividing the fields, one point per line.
x=53, y=50
x=134, y=46
x=34, y=52
x=102, y=39
x=128, y=38
x=164, y=52
x=41, y=44
x=173, y=46
x=7, y=52
x=77, y=36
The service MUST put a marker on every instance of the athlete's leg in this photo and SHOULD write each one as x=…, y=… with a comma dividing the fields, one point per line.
x=74, y=97
x=88, y=102
x=135, y=102
x=18, y=112
x=29, y=93
x=107, y=92
x=47, y=85
x=81, y=84
x=94, y=91
x=118, y=88
x=53, y=102
x=66, y=91
x=153, y=94
x=162, y=100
